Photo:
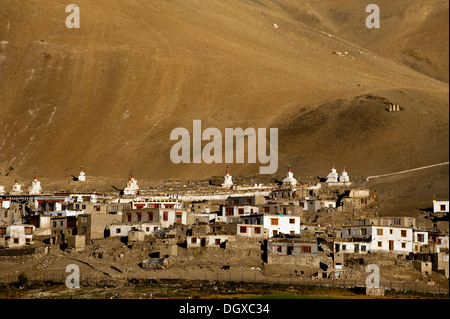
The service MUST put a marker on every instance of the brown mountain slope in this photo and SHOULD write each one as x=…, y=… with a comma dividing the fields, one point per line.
x=415, y=33
x=107, y=95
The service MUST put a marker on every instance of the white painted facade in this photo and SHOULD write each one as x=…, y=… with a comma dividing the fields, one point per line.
x=441, y=206
x=64, y=213
x=420, y=238
x=383, y=238
x=17, y=235
x=140, y=203
x=212, y=240
x=6, y=204
x=122, y=230
x=281, y=224
x=168, y=217
x=351, y=247
x=443, y=242
x=329, y=203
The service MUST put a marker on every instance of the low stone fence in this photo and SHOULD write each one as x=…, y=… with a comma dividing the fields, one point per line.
x=230, y=276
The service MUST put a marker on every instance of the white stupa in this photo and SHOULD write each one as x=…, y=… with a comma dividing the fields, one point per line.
x=93, y=198
x=2, y=190
x=132, y=186
x=227, y=179
x=344, y=178
x=35, y=188
x=16, y=189
x=333, y=176
x=82, y=176
x=289, y=181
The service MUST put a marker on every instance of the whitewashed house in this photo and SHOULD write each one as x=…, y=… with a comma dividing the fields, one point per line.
x=165, y=217
x=382, y=234
x=140, y=203
x=252, y=226
x=208, y=240
x=123, y=230
x=441, y=206
x=351, y=246
x=266, y=226
x=396, y=239
x=16, y=235
x=420, y=238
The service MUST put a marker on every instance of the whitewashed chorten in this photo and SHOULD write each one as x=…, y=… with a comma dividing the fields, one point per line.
x=289, y=181
x=82, y=176
x=344, y=178
x=35, y=188
x=16, y=189
x=132, y=186
x=333, y=176
x=228, y=179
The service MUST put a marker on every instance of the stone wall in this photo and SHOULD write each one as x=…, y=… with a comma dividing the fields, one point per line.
x=307, y=261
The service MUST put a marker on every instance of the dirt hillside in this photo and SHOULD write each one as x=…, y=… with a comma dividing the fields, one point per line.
x=107, y=95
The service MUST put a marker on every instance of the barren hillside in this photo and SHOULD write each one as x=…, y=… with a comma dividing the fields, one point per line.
x=107, y=95
x=414, y=33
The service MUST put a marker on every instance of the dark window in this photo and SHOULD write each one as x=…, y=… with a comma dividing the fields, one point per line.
x=229, y=211
x=290, y=249
x=420, y=238
x=306, y=249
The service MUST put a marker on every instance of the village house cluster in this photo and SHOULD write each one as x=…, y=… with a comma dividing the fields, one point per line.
x=212, y=216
